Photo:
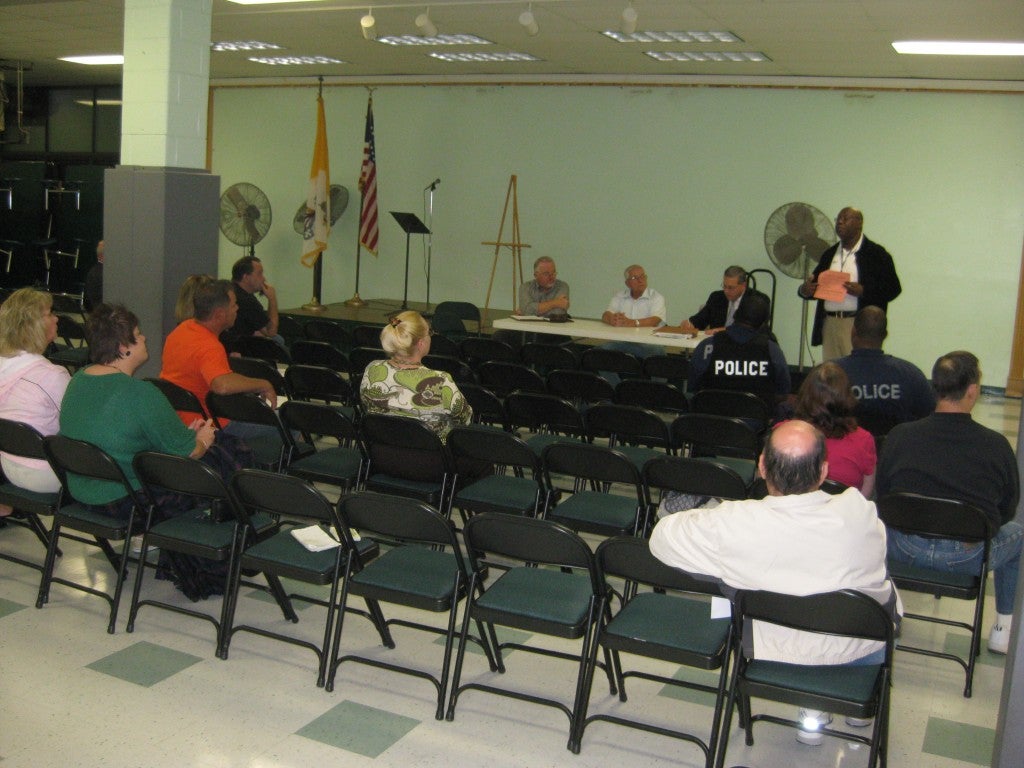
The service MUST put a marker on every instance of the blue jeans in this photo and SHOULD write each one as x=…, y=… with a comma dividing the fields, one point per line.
x=636, y=349
x=958, y=557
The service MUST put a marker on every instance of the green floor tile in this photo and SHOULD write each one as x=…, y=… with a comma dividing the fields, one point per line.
x=7, y=607
x=959, y=741
x=960, y=644
x=144, y=663
x=366, y=731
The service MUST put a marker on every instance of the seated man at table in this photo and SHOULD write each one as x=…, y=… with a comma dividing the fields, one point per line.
x=743, y=358
x=719, y=310
x=636, y=306
x=545, y=296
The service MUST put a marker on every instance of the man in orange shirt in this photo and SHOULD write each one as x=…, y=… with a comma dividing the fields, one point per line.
x=195, y=359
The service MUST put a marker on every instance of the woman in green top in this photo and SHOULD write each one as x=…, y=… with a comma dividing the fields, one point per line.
x=105, y=406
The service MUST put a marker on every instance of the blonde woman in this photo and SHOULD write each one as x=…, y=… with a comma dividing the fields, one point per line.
x=31, y=387
x=184, y=306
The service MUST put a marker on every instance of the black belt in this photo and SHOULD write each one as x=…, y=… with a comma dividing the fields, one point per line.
x=840, y=314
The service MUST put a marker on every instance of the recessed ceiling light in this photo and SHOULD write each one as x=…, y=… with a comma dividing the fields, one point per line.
x=485, y=57
x=958, y=48
x=294, y=60
x=108, y=58
x=700, y=56
x=435, y=40
x=691, y=36
x=244, y=45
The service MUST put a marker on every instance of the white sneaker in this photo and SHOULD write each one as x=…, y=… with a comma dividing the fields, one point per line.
x=812, y=720
x=999, y=639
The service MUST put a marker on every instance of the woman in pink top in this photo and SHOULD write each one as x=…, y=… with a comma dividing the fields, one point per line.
x=31, y=387
x=826, y=401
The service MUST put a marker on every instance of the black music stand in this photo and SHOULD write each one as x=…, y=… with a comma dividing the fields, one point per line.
x=411, y=225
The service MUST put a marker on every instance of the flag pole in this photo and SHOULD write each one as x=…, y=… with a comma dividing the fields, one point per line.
x=367, y=175
x=356, y=301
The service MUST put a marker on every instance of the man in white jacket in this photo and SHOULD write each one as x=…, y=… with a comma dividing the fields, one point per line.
x=798, y=540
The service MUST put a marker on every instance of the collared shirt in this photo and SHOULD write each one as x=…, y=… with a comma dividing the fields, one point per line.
x=531, y=295
x=650, y=304
x=845, y=261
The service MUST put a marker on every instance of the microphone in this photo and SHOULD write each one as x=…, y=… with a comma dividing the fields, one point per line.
x=433, y=184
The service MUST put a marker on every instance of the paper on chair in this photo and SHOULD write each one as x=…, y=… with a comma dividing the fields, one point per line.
x=315, y=539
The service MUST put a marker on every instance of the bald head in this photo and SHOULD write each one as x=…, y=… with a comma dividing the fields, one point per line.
x=849, y=225
x=870, y=328
x=793, y=460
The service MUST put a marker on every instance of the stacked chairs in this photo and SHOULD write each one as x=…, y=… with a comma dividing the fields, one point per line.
x=595, y=472
x=20, y=439
x=671, y=623
x=936, y=518
x=77, y=457
x=283, y=556
x=520, y=490
x=856, y=691
x=553, y=589
x=423, y=569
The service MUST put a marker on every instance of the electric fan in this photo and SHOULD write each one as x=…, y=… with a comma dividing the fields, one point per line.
x=245, y=215
x=339, y=202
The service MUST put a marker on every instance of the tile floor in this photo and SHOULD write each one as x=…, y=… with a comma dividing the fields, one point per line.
x=72, y=695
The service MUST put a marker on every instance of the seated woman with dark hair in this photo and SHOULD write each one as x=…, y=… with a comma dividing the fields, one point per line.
x=403, y=386
x=826, y=401
x=31, y=387
x=105, y=406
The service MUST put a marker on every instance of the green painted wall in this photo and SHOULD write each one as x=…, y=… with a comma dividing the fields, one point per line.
x=679, y=179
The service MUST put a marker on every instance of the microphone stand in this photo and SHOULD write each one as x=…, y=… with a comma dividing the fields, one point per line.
x=428, y=214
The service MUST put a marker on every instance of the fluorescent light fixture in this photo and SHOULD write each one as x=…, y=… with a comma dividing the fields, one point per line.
x=426, y=27
x=958, y=48
x=704, y=56
x=368, y=25
x=108, y=59
x=453, y=56
x=244, y=45
x=294, y=60
x=653, y=36
x=436, y=40
x=99, y=102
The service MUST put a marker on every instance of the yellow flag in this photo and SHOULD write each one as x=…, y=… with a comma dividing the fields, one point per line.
x=318, y=203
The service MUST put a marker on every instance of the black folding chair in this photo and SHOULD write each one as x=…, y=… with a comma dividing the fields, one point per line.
x=274, y=447
x=639, y=433
x=180, y=398
x=317, y=383
x=308, y=352
x=261, y=348
x=341, y=465
x=503, y=377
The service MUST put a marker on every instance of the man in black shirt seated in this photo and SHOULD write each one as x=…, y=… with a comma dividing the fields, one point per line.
x=719, y=311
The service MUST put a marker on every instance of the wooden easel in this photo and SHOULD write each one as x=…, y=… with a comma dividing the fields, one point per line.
x=515, y=244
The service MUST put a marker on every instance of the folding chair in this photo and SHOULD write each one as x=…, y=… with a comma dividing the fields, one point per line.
x=477, y=350
x=418, y=465
x=333, y=333
x=180, y=398
x=442, y=345
x=729, y=441
x=502, y=377
x=74, y=354
x=675, y=369
x=216, y=529
x=359, y=358
x=548, y=357
x=566, y=600
x=290, y=329
x=366, y=335
x=450, y=318
x=936, y=518
x=637, y=432
x=318, y=383
x=672, y=623
x=596, y=471
x=423, y=569
x=20, y=439
x=458, y=369
x=261, y=348
x=598, y=359
x=77, y=457
x=258, y=368
x=341, y=465
x=275, y=447
x=487, y=408
x=697, y=477
x=739, y=405
x=581, y=388
x=308, y=352
x=550, y=418
x=860, y=691
x=281, y=556
x=658, y=396
x=520, y=490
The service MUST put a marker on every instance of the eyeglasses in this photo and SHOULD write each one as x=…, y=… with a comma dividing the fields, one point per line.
x=545, y=274
x=636, y=278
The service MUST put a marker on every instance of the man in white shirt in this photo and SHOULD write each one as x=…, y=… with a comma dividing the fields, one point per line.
x=636, y=306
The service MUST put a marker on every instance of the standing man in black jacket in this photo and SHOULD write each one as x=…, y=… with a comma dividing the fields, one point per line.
x=872, y=282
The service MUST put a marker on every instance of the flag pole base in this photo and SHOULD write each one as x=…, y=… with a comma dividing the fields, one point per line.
x=355, y=301
x=314, y=306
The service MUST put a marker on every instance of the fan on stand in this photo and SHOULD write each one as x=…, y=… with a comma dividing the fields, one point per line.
x=339, y=202
x=245, y=215
x=795, y=236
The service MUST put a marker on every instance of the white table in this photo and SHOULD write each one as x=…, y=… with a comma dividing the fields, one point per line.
x=595, y=329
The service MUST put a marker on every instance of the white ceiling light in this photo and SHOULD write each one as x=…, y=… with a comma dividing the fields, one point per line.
x=629, y=18
x=109, y=58
x=426, y=27
x=368, y=24
x=528, y=22
x=958, y=48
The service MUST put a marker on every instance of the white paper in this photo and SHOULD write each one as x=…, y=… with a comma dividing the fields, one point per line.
x=720, y=608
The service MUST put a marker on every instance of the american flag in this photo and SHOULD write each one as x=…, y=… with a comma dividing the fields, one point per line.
x=368, y=232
